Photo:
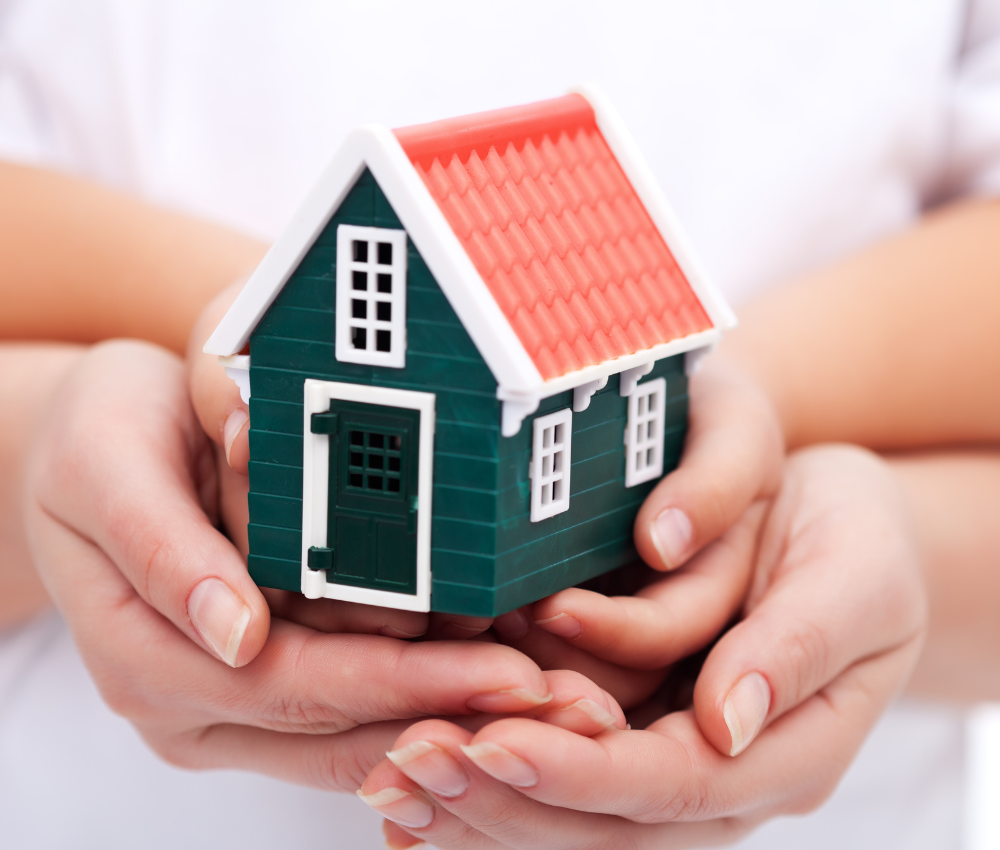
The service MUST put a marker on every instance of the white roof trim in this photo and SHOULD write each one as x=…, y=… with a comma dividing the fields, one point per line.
x=516, y=374
x=623, y=146
x=378, y=149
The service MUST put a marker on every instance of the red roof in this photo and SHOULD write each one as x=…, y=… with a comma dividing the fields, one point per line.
x=557, y=232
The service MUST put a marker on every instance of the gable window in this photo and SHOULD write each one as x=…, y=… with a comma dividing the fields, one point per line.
x=644, y=432
x=550, y=463
x=371, y=296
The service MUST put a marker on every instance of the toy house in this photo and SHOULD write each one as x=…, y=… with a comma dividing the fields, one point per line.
x=465, y=362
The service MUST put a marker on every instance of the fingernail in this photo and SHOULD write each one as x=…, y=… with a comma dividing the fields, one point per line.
x=502, y=764
x=745, y=710
x=562, y=625
x=234, y=424
x=401, y=807
x=396, y=632
x=512, y=625
x=220, y=617
x=591, y=710
x=430, y=766
x=672, y=533
x=506, y=701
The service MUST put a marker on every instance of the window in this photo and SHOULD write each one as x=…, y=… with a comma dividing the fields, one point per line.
x=644, y=432
x=371, y=296
x=374, y=461
x=550, y=461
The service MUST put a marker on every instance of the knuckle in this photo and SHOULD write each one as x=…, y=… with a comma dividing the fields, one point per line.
x=690, y=800
x=338, y=770
x=807, y=660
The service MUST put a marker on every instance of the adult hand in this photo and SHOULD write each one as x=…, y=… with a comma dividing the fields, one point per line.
x=120, y=508
x=713, y=503
x=833, y=625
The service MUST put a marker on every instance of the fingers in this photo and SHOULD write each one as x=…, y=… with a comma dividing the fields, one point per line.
x=842, y=584
x=301, y=681
x=434, y=786
x=667, y=620
x=628, y=686
x=336, y=762
x=118, y=466
x=216, y=399
x=732, y=457
x=329, y=615
x=671, y=773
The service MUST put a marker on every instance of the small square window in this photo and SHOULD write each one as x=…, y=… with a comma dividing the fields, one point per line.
x=357, y=479
x=393, y=485
x=394, y=464
x=360, y=251
x=385, y=283
x=359, y=280
x=383, y=312
x=383, y=340
x=357, y=459
x=385, y=253
x=359, y=338
x=550, y=464
x=357, y=438
x=374, y=482
x=359, y=309
x=374, y=461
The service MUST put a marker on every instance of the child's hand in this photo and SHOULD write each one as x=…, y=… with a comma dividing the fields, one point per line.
x=697, y=524
x=157, y=599
x=834, y=623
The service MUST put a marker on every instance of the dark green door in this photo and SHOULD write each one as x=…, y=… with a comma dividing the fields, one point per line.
x=372, y=500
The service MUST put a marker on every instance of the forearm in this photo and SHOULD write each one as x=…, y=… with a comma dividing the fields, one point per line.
x=28, y=376
x=895, y=348
x=79, y=262
x=955, y=498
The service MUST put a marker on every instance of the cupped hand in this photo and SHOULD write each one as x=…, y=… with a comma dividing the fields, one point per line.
x=696, y=526
x=122, y=488
x=833, y=625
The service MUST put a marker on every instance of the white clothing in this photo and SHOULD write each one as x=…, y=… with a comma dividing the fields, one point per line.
x=786, y=133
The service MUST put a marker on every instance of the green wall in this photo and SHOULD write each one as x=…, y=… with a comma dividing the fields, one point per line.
x=486, y=556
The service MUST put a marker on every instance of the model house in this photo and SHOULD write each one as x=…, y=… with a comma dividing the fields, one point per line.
x=465, y=360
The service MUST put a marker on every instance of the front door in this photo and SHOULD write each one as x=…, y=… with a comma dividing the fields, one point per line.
x=372, y=494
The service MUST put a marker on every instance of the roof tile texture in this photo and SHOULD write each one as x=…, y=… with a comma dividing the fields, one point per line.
x=557, y=232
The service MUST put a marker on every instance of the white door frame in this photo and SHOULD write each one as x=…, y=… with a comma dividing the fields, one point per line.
x=315, y=491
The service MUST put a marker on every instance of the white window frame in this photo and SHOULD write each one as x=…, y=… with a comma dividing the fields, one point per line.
x=371, y=297
x=644, y=432
x=315, y=492
x=551, y=460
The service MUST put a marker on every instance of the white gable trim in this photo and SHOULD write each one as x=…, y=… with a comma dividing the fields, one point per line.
x=378, y=149
x=623, y=146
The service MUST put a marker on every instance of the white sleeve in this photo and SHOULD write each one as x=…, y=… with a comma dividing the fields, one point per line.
x=60, y=87
x=973, y=165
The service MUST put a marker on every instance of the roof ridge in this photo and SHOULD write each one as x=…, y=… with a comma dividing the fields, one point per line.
x=460, y=135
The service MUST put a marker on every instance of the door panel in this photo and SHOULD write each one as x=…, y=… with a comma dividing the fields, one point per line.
x=372, y=504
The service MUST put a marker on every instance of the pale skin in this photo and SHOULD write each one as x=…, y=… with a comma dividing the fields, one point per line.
x=710, y=511
x=896, y=349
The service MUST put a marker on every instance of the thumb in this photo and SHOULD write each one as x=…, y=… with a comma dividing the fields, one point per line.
x=223, y=414
x=838, y=582
x=732, y=457
x=117, y=468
